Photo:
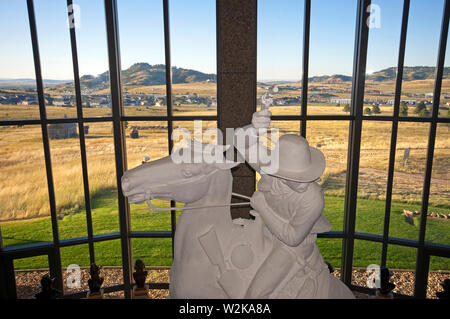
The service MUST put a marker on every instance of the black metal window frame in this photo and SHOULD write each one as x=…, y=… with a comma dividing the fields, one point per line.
x=355, y=119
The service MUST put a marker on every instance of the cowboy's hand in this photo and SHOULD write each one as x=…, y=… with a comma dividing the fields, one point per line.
x=261, y=119
x=258, y=201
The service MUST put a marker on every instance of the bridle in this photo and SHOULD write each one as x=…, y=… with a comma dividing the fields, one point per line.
x=152, y=208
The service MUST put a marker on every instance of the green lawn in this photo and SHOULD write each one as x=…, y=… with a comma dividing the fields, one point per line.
x=158, y=252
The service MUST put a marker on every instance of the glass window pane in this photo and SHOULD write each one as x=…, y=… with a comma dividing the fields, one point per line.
x=331, y=137
x=71, y=257
x=18, y=98
x=56, y=57
x=444, y=105
x=154, y=252
x=147, y=141
x=193, y=49
x=143, y=57
x=24, y=202
x=109, y=253
x=422, y=42
x=157, y=256
x=410, y=162
x=382, y=55
x=280, y=41
x=439, y=267
x=29, y=272
x=68, y=180
x=372, y=179
x=438, y=223
x=101, y=167
x=365, y=253
x=331, y=56
x=92, y=57
x=401, y=261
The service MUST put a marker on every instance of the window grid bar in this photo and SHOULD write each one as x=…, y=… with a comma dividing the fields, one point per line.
x=151, y=234
x=48, y=165
x=22, y=251
x=398, y=93
x=170, y=118
x=422, y=268
x=306, y=36
x=354, y=143
x=169, y=100
x=215, y=118
x=112, y=28
x=79, y=103
x=82, y=294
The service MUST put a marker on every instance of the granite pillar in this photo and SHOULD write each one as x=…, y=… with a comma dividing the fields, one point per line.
x=236, y=76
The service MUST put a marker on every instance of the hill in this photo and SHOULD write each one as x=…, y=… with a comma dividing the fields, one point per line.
x=336, y=78
x=410, y=73
x=142, y=74
x=27, y=83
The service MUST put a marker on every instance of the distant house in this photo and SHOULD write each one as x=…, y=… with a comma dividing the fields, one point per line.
x=62, y=131
x=59, y=103
x=134, y=133
x=410, y=102
x=341, y=101
x=159, y=103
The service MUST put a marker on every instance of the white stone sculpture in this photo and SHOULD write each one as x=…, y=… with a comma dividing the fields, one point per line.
x=217, y=257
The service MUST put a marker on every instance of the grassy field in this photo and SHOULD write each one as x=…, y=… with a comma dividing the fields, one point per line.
x=157, y=252
x=24, y=206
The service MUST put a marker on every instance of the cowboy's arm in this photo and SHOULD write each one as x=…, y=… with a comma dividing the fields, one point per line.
x=246, y=138
x=293, y=232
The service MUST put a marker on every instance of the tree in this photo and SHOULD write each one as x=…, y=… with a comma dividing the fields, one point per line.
x=424, y=112
x=419, y=107
x=347, y=108
x=376, y=109
x=367, y=110
x=403, y=109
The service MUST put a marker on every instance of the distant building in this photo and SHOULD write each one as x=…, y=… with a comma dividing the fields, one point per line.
x=410, y=102
x=341, y=101
x=59, y=103
x=159, y=103
x=134, y=133
x=62, y=131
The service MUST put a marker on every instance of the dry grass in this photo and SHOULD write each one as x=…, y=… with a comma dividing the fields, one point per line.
x=23, y=186
x=202, y=88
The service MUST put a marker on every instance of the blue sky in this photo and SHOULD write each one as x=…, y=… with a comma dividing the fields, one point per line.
x=193, y=36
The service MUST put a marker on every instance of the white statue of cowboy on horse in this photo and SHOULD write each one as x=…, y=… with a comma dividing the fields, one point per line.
x=273, y=255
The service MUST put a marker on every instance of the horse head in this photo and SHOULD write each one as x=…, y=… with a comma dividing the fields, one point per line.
x=184, y=176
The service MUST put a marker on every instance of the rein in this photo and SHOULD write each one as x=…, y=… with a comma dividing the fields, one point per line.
x=153, y=208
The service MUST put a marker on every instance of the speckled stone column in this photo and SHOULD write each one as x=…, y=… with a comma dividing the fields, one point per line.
x=236, y=74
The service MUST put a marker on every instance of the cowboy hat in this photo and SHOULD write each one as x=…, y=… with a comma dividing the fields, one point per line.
x=298, y=161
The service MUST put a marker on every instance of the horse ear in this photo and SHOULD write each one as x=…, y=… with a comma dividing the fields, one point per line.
x=227, y=165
